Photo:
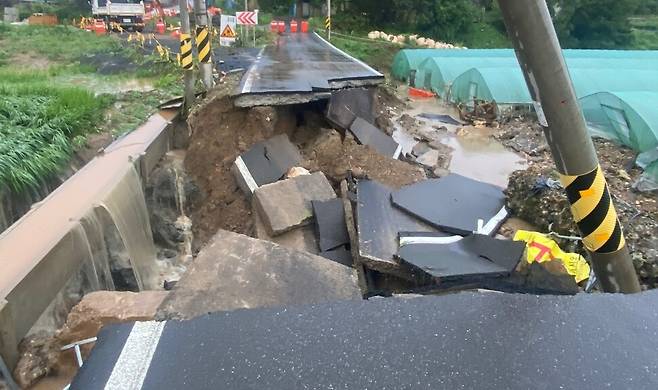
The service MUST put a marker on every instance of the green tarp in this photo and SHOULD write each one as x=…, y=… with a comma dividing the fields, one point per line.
x=629, y=118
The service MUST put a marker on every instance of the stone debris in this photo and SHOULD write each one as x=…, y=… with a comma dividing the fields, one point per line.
x=39, y=355
x=286, y=204
x=235, y=271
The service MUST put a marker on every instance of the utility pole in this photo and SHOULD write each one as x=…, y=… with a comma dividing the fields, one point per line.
x=203, y=45
x=186, y=57
x=531, y=30
x=328, y=22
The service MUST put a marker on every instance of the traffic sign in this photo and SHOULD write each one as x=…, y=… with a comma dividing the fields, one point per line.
x=227, y=30
x=248, y=18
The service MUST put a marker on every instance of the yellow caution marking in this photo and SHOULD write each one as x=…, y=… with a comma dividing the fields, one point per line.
x=327, y=23
x=185, y=57
x=203, y=44
x=593, y=211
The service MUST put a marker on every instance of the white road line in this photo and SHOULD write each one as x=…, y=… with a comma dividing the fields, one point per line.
x=132, y=365
x=251, y=73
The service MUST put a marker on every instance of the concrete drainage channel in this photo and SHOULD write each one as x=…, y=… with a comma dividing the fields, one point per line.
x=246, y=208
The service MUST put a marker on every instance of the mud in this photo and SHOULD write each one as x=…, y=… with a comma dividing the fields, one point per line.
x=220, y=132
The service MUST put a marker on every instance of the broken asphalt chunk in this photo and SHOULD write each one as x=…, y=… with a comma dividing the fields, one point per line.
x=454, y=204
x=339, y=255
x=367, y=134
x=286, y=204
x=345, y=105
x=266, y=162
x=475, y=256
x=440, y=118
x=235, y=271
x=330, y=223
x=378, y=225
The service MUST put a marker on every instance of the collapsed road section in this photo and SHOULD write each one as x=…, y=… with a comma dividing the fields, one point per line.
x=300, y=68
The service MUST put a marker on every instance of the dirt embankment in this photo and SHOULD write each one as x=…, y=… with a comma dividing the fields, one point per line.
x=220, y=132
x=541, y=203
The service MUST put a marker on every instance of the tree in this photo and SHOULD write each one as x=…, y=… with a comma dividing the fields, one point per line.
x=593, y=24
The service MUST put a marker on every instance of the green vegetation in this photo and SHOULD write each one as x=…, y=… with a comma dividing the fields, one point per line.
x=378, y=54
x=645, y=32
x=50, y=102
x=38, y=120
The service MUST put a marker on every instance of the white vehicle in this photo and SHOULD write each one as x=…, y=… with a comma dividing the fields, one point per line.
x=127, y=13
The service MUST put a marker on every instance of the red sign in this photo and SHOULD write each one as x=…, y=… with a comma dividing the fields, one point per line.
x=248, y=18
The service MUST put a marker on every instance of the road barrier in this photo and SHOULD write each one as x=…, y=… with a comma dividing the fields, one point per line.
x=99, y=27
x=304, y=26
x=293, y=26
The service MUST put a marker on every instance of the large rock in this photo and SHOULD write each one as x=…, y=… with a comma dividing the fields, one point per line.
x=100, y=308
x=235, y=271
x=286, y=204
x=39, y=356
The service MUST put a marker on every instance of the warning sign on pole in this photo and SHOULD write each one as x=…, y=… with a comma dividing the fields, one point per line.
x=227, y=31
x=248, y=18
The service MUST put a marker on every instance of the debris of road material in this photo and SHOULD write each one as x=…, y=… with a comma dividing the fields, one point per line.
x=286, y=204
x=265, y=163
x=454, y=204
x=367, y=134
x=348, y=104
x=465, y=260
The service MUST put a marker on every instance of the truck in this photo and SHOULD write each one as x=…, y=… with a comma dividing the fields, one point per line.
x=129, y=14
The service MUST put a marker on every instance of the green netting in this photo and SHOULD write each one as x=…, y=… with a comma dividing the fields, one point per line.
x=408, y=60
x=590, y=81
x=502, y=85
x=629, y=118
x=437, y=74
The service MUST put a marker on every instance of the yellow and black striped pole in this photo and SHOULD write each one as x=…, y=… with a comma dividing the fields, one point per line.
x=186, y=51
x=186, y=58
x=203, y=44
x=531, y=30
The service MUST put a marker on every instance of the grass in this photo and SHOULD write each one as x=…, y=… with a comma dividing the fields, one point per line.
x=485, y=36
x=645, y=32
x=48, y=110
x=378, y=54
x=38, y=121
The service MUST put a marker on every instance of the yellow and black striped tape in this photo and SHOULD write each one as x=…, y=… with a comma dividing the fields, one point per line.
x=327, y=23
x=592, y=208
x=203, y=44
x=186, y=51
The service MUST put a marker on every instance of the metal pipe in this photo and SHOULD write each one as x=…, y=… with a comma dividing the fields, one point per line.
x=186, y=44
x=539, y=53
x=203, y=39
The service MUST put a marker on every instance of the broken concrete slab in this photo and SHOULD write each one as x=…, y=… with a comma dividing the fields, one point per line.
x=330, y=223
x=235, y=271
x=440, y=118
x=367, y=134
x=453, y=203
x=379, y=224
x=265, y=162
x=286, y=204
x=473, y=257
x=301, y=239
x=430, y=158
x=345, y=105
x=340, y=255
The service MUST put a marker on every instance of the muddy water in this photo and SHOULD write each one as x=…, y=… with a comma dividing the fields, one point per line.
x=109, y=85
x=475, y=153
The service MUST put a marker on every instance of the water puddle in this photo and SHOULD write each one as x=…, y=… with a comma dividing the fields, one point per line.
x=476, y=154
x=108, y=85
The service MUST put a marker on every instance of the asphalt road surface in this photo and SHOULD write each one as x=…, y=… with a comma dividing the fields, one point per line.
x=304, y=64
x=461, y=341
